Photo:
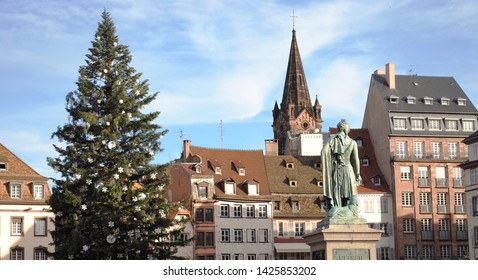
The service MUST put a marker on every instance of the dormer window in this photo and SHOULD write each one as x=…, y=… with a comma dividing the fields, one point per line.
x=203, y=189
x=242, y=172
x=359, y=142
x=215, y=166
x=38, y=191
x=252, y=187
x=197, y=168
x=365, y=161
x=217, y=170
x=445, y=101
x=3, y=166
x=289, y=165
x=428, y=100
x=317, y=165
x=461, y=101
x=393, y=99
x=411, y=100
x=240, y=168
x=229, y=186
x=376, y=181
x=16, y=190
x=292, y=183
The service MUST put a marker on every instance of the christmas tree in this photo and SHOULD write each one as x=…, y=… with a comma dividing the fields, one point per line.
x=109, y=202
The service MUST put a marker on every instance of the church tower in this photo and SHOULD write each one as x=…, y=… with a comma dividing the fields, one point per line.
x=296, y=115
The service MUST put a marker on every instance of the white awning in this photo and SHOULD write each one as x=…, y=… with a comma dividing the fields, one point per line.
x=292, y=248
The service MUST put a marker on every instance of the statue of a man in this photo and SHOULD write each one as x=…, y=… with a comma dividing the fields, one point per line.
x=341, y=171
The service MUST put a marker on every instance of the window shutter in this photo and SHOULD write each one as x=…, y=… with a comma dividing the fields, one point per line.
x=290, y=229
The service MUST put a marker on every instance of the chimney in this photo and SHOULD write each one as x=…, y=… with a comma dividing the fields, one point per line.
x=272, y=147
x=186, y=150
x=379, y=72
x=390, y=74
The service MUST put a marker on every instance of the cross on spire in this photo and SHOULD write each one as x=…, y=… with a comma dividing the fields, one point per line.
x=293, y=16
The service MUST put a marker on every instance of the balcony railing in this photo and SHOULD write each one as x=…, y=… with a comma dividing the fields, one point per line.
x=458, y=182
x=426, y=157
x=441, y=182
x=427, y=234
x=444, y=234
x=424, y=182
x=462, y=235
x=460, y=209
x=425, y=208
x=443, y=208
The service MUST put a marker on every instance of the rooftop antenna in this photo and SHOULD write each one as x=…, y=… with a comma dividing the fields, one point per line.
x=181, y=134
x=221, y=129
x=293, y=16
x=410, y=70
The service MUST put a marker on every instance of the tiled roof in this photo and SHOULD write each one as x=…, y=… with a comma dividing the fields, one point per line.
x=304, y=170
x=17, y=168
x=230, y=160
x=424, y=87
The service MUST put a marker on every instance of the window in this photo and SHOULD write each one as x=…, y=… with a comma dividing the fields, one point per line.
x=38, y=192
x=16, y=191
x=276, y=205
x=436, y=149
x=368, y=204
x=445, y=101
x=393, y=99
x=299, y=229
x=251, y=257
x=3, y=166
x=204, y=238
x=263, y=235
x=224, y=210
x=376, y=181
x=225, y=257
x=242, y=172
x=229, y=188
x=382, y=226
x=365, y=161
x=427, y=253
x=418, y=124
x=400, y=123
x=295, y=206
x=39, y=254
x=238, y=257
x=237, y=235
x=460, y=202
x=202, y=190
x=225, y=235
x=263, y=256
x=252, y=188
x=423, y=177
x=425, y=205
x=451, y=124
x=405, y=173
x=426, y=224
x=401, y=149
x=462, y=251
x=250, y=211
x=428, y=101
x=359, y=142
x=457, y=176
x=262, y=211
x=292, y=183
x=445, y=252
x=441, y=177
x=280, y=228
x=442, y=201
x=204, y=215
x=407, y=199
x=217, y=170
x=418, y=149
x=475, y=236
x=17, y=226
x=40, y=226
x=383, y=205
x=474, y=206
x=251, y=235
x=453, y=150
x=434, y=124
x=408, y=225
x=474, y=176
x=16, y=253
x=468, y=125
x=461, y=225
x=199, y=215
x=410, y=252
x=411, y=100
x=237, y=211
x=289, y=165
x=444, y=229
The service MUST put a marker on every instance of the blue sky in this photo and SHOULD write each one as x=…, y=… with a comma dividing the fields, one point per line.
x=224, y=61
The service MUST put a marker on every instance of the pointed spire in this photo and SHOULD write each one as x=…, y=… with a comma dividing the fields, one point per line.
x=296, y=92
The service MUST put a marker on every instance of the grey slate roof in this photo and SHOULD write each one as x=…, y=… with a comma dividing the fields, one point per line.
x=425, y=86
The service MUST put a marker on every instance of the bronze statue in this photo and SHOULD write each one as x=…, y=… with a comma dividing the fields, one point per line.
x=341, y=172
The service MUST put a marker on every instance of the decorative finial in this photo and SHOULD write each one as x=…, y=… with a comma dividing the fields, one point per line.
x=293, y=16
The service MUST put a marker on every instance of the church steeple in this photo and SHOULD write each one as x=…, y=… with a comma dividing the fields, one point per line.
x=296, y=93
x=296, y=114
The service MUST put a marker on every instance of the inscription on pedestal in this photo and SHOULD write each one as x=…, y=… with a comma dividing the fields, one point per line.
x=351, y=254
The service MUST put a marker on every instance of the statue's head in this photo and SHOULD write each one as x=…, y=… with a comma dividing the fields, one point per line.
x=343, y=126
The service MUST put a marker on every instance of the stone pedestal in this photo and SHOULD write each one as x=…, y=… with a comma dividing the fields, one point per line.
x=343, y=239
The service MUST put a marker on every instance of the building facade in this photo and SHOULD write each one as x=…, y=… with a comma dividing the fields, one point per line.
x=227, y=190
x=24, y=212
x=471, y=179
x=417, y=124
